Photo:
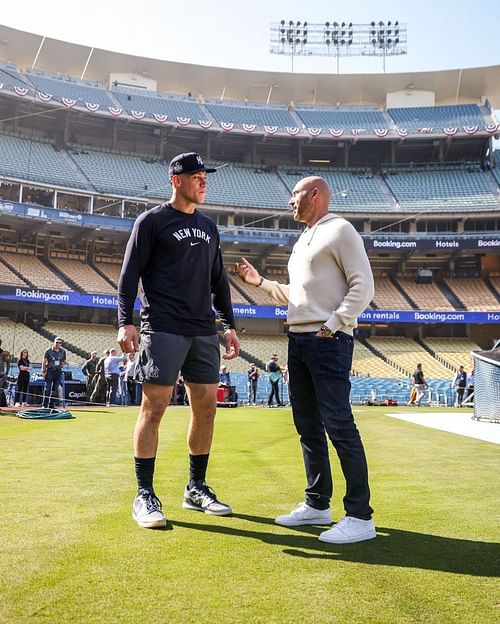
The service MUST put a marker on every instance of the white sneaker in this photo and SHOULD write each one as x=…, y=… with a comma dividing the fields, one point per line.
x=147, y=511
x=348, y=531
x=304, y=514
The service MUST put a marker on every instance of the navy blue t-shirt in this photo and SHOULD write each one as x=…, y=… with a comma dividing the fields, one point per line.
x=175, y=260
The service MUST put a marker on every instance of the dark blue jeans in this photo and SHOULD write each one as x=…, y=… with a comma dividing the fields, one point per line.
x=53, y=378
x=319, y=393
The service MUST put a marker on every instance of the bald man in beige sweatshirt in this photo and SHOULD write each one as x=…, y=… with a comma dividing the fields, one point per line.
x=331, y=283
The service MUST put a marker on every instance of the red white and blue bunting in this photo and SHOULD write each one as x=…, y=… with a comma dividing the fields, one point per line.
x=116, y=112
x=314, y=132
x=227, y=126
x=183, y=121
x=293, y=131
x=492, y=128
x=336, y=132
x=22, y=91
x=205, y=123
x=270, y=129
x=45, y=97
x=249, y=127
x=381, y=132
x=93, y=108
x=160, y=118
x=471, y=129
x=138, y=114
x=450, y=131
x=68, y=102
x=403, y=132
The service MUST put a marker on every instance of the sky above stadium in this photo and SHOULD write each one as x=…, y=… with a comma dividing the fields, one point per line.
x=442, y=34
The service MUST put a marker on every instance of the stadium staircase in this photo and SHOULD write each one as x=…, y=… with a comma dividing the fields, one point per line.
x=452, y=298
x=246, y=296
x=245, y=355
x=20, y=275
x=79, y=175
x=102, y=274
x=380, y=355
x=68, y=346
x=434, y=354
x=392, y=200
x=403, y=293
x=491, y=288
x=62, y=276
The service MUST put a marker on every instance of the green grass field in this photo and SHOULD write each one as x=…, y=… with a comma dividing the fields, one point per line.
x=70, y=551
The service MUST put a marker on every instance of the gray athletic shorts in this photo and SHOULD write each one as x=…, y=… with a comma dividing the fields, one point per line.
x=162, y=356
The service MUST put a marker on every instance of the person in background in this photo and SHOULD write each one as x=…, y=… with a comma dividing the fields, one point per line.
x=23, y=378
x=253, y=379
x=5, y=360
x=98, y=394
x=88, y=369
x=54, y=361
x=112, y=369
x=470, y=384
x=129, y=378
x=459, y=385
x=224, y=377
x=419, y=384
x=274, y=370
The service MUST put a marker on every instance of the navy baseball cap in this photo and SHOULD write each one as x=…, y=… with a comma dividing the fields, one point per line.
x=191, y=162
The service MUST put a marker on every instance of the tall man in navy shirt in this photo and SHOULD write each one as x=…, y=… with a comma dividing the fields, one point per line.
x=174, y=252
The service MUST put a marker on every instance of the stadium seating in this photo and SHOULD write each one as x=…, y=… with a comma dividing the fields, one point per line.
x=345, y=120
x=252, y=294
x=426, y=296
x=7, y=275
x=10, y=77
x=437, y=117
x=407, y=353
x=18, y=336
x=35, y=271
x=474, y=294
x=87, y=279
x=122, y=175
x=454, y=351
x=355, y=189
x=442, y=190
x=246, y=186
x=367, y=364
x=35, y=160
x=161, y=104
x=85, y=336
x=71, y=89
x=495, y=282
x=112, y=271
x=260, y=116
x=388, y=297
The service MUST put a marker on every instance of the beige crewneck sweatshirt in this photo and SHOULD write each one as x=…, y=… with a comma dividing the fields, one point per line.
x=331, y=281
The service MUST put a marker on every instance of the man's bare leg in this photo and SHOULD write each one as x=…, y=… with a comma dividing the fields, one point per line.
x=198, y=496
x=147, y=507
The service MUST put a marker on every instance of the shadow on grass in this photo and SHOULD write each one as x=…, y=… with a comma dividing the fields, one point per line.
x=393, y=547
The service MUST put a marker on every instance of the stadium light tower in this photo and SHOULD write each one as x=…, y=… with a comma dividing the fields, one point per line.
x=338, y=38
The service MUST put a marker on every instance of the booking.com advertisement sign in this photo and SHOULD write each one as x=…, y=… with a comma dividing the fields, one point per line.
x=32, y=295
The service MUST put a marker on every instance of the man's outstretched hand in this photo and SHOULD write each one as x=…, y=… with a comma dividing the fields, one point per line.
x=247, y=272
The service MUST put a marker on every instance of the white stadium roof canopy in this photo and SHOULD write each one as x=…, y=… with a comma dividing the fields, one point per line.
x=472, y=85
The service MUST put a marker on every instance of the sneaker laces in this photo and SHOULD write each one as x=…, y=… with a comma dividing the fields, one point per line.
x=205, y=492
x=151, y=501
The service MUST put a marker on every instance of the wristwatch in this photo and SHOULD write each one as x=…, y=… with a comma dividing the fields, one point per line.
x=326, y=331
